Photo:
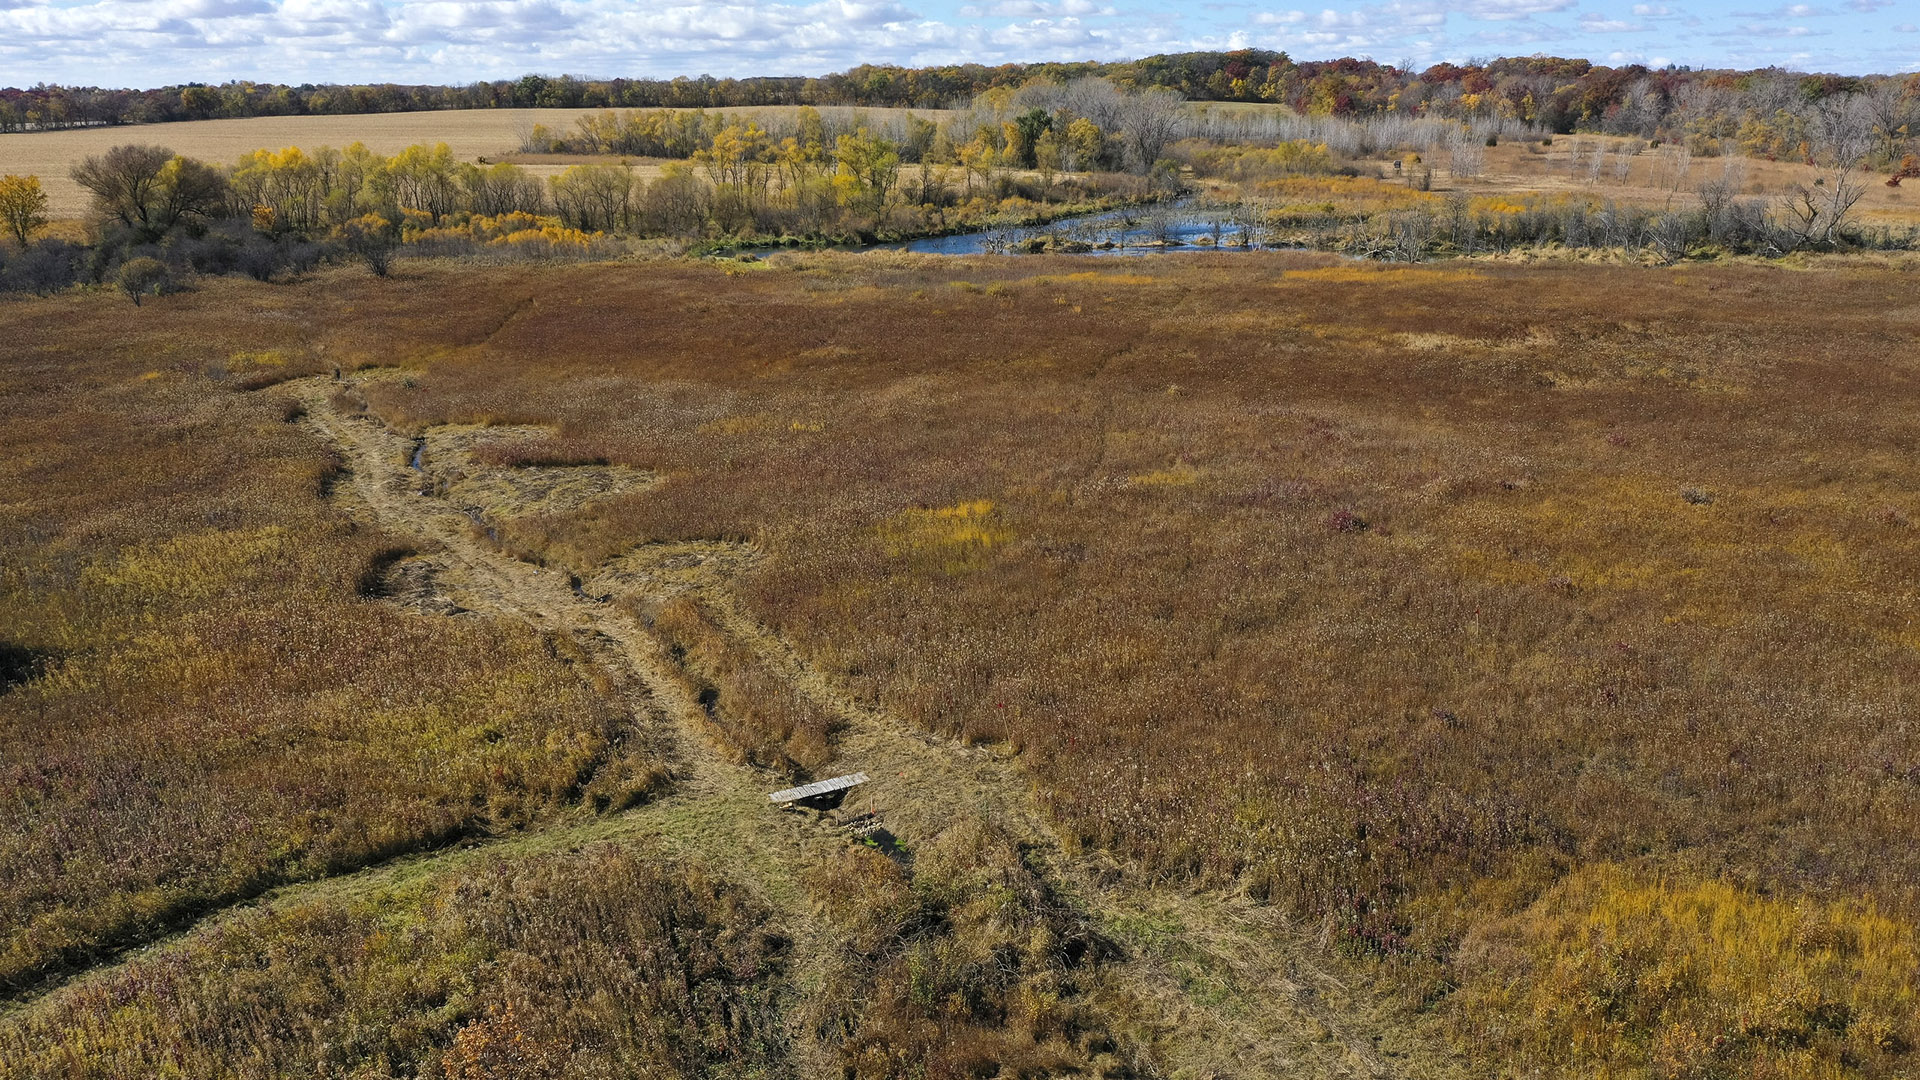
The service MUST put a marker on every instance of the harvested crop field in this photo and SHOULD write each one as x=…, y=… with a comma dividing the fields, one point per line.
x=470, y=133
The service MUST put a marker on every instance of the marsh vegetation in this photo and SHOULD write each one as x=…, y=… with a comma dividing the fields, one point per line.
x=1473, y=631
x=1265, y=663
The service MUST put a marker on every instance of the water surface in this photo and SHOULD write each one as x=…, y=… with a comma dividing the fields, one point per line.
x=1129, y=231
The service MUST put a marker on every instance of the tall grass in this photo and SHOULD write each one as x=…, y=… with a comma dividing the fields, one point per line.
x=605, y=961
x=1362, y=589
x=759, y=716
x=220, y=710
x=1464, y=565
x=969, y=965
x=1630, y=974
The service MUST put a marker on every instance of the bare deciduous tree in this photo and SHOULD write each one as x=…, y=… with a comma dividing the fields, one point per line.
x=1150, y=119
x=1842, y=134
x=1673, y=168
x=123, y=181
x=1719, y=195
x=594, y=197
x=1893, y=106
x=1466, y=157
x=1096, y=99
x=1576, y=149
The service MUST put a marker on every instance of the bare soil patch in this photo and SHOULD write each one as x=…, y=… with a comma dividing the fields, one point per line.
x=504, y=492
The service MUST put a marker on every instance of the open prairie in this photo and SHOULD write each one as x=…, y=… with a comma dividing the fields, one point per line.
x=1632, y=171
x=1265, y=664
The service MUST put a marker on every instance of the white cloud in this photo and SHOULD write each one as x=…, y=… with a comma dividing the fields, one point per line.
x=366, y=13
x=1045, y=33
x=150, y=42
x=217, y=9
x=1790, y=11
x=1513, y=9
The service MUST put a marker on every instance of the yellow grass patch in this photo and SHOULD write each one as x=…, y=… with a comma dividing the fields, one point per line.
x=1426, y=342
x=250, y=360
x=959, y=536
x=1626, y=974
x=1098, y=276
x=192, y=566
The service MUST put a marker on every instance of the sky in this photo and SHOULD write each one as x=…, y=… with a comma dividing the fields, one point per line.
x=144, y=43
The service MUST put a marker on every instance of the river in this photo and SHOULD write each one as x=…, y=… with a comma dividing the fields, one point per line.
x=1137, y=230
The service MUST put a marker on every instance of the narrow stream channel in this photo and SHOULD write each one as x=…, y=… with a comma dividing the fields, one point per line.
x=1134, y=230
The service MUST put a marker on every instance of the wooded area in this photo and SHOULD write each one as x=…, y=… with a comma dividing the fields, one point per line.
x=1559, y=94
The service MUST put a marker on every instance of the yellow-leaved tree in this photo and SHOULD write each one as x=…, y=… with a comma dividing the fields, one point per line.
x=290, y=185
x=868, y=164
x=23, y=206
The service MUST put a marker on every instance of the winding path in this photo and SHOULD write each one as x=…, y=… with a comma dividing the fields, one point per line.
x=1211, y=986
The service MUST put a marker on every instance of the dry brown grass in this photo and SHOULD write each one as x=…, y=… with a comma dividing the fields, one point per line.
x=1520, y=168
x=760, y=717
x=968, y=964
x=1394, y=597
x=605, y=961
x=1552, y=581
x=214, y=707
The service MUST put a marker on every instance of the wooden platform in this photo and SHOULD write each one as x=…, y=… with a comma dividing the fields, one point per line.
x=823, y=794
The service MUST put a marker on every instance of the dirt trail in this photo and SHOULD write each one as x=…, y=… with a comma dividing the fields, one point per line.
x=717, y=812
x=1210, y=986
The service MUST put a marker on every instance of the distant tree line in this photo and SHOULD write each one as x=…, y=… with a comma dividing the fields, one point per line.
x=1022, y=155
x=729, y=181
x=1558, y=94
x=1087, y=125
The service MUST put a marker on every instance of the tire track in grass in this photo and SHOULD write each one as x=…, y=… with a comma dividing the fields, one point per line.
x=1207, y=985
x=1225, y=986
x=716, y=812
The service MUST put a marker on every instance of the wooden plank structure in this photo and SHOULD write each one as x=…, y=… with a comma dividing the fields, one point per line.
x=820, y=795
